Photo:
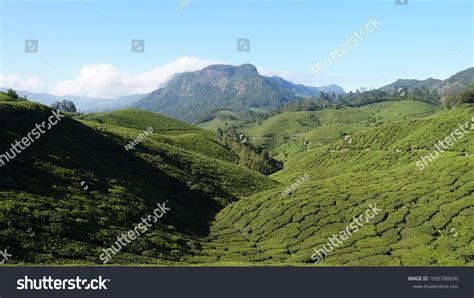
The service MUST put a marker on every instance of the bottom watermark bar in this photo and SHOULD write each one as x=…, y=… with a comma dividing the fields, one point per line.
x=241, y=282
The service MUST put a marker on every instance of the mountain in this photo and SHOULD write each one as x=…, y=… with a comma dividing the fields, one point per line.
x=411, y=84
x=83, y=103
x=457, y=83
x=192, y=95
x=453, y=85
x=465, y=77
x=303, y=90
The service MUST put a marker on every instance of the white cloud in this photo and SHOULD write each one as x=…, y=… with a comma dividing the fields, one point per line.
x=15, y=82
x=106, y=81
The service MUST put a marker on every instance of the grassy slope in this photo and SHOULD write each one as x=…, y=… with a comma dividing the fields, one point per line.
x=178, y=134
x=165, y=130
x=139, y=119
x=41, y=189
x=223, y=119
x=420, y=208
x=4, y=97
x=192, y=162
x=288, y=132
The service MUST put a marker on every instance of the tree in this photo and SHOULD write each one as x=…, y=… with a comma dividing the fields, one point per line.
x=65, y=106
x=12, y=93
x=466, y=96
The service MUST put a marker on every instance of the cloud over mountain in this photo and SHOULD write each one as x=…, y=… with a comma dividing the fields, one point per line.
x=107, y=81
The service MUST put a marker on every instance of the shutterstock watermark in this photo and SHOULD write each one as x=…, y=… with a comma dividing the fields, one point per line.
x=37, y=132
x=182, y=5
x=49, y=283
x=295, y=185
x=5, y=256
x=139, y=139
x=356, y=224
x=351, y=42
x=449, y=141
x=140, y=229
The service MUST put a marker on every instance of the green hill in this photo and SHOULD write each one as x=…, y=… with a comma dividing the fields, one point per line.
x=427, y=216
x=165, y=130
x=139, y=119
x=222, y=119
x=289, y=133
x=5, y=97
x=42, y=190
x=179, y=134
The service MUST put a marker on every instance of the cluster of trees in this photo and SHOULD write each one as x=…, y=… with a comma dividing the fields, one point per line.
x=466, y=96
x=250, y=156
x=62, y=105
x=364, y=97
x=424, y=95
x=359, y=98
x=13, y=94
x=65, y=106
x=310, y=104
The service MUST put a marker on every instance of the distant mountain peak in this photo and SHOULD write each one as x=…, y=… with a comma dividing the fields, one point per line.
x=190, y=96
x=248, y=67
x=225, y=69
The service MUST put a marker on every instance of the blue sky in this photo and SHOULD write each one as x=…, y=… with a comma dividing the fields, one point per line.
x=86, y=44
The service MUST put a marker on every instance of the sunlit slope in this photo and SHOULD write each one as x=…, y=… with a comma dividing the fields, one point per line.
x=293, y=132
x=166, y=130
x=184, y=136
x=222, y=119
x=427, y=215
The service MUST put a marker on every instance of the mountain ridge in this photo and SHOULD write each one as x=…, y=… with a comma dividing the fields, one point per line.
x=190, y=95
x=452, y=85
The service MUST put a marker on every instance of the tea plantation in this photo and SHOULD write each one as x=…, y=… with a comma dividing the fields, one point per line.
x=427, y=217
x=70, y=194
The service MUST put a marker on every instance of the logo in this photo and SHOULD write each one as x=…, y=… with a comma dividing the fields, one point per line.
x=348, y=139
x=84, y=185
x=31, y=46
x=454, y=232
x=138, y=45
x=31, y=232
x=243, y=45
x=401, y=92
